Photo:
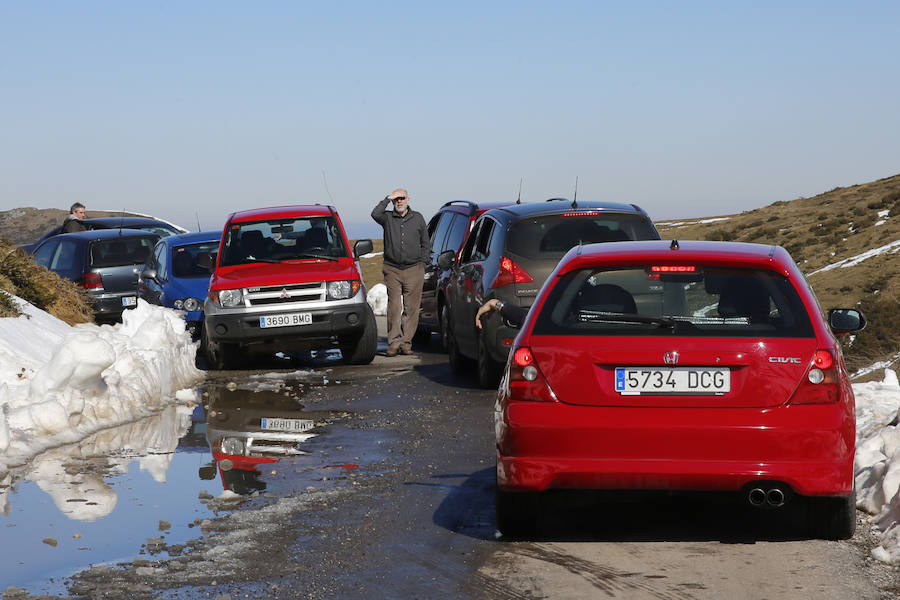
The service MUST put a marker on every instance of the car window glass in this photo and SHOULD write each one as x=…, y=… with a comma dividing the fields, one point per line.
x=184, y=259
x=283, y=239
x=459, y=227
x=439, y=233
x=709, y=302
x=44, y=253
x=469, y=248
x=483, y=240
x=66, y=257
x=554, y=235
x=121, y=251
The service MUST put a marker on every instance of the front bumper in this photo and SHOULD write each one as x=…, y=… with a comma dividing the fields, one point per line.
x=542, y=445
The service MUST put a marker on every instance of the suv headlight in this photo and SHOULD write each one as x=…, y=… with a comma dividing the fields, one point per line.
x=341, y=290
x=227, y=298
x=188, y=304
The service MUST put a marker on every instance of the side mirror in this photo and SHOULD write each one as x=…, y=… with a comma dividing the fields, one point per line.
x=206, y=260
x=846, y=320
x=362, y=247
x=150, y=274
x=446, y=260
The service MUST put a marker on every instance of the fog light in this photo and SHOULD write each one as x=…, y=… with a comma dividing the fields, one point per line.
x=352, y=318
x=221, y=329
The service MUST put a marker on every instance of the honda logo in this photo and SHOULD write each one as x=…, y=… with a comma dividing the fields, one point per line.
x=670, y=358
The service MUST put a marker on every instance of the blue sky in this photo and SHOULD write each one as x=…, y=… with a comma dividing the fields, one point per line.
x=689, y=109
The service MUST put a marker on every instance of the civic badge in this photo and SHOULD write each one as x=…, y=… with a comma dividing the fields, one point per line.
x=670, y=358
x=284, y=293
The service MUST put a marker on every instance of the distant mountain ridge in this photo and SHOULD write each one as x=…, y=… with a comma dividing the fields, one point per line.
x=26, y=225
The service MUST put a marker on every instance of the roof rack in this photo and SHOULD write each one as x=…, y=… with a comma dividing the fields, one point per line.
x=473, y=208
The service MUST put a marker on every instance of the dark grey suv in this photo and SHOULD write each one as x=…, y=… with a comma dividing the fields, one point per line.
x=508, y=255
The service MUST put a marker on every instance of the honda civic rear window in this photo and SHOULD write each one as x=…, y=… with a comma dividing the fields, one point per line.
x=652, y=300
x=121, y=251
x=554, y=235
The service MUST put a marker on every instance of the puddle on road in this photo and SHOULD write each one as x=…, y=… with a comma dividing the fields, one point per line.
x=101, y=500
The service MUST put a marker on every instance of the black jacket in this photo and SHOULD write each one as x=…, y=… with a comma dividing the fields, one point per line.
x=72, y=224
x=405, y=238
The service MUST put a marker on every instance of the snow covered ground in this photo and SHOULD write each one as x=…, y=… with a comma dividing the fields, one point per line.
x=62, y=384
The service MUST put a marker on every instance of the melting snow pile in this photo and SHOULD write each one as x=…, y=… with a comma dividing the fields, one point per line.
x=60, y=384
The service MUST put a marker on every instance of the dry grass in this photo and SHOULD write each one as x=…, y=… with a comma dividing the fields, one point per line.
x=46, y=290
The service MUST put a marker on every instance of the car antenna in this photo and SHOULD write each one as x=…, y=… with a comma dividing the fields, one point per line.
x=198, y=221
x=121, y=222
x=324, y=179
x=575, y=197
x=519, y=199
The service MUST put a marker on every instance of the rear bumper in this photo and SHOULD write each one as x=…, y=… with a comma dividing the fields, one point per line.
x=109, y=306
x=553, y=445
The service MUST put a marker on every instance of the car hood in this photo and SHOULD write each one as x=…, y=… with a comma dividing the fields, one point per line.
x=270, y=274
x=194, y=287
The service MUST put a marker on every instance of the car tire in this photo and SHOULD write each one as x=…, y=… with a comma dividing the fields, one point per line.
x=219, y=356
x=833, y=518
x=422, y=336
x=458, y=362
x=517, y=513
x=361, y=349
x=489, y=370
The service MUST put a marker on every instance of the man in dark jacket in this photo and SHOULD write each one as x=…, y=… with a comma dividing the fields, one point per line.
x=406, y=248
x=73, y=220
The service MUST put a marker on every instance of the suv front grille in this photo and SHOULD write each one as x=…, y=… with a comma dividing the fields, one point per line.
x=286, y=294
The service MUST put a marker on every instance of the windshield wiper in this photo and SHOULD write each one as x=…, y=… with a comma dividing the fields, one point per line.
x=308, y=255
x=596, y=316
x=264, y=260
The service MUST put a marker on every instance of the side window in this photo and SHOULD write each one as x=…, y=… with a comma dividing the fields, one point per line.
x=483, y=240
x=469, y=248
x=440, y=232
x=162, y=263
x=459, y=227
x=44, y=254
x=66, y=258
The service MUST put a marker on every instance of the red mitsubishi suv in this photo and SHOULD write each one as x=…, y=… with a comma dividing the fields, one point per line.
x=284, y=279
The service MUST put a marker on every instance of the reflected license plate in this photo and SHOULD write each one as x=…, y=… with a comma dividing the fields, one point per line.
x=285, y=320
x=292, y=425
x=672, y=380
x=129, y=301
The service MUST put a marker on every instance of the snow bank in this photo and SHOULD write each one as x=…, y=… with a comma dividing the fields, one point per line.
x=59, y=384
x=377, y=298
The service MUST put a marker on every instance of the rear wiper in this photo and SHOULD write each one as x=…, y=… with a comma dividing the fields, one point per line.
x=595, y=316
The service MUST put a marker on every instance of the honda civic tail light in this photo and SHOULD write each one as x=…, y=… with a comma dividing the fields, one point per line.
x=821, y=384
x=93, y=281
x=526, y=382
x=510, y=272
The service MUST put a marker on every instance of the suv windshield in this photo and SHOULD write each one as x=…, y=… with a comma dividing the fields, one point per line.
x=283, y=239
x=554, y=235
x=697, y=301
x=119, y=251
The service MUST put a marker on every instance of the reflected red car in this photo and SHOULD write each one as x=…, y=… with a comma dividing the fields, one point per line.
x=679, y=366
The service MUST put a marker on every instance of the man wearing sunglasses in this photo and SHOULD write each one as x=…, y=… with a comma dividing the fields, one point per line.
x=405, y=254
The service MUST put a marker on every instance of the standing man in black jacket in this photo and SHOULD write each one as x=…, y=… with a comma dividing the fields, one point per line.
x=406, y=248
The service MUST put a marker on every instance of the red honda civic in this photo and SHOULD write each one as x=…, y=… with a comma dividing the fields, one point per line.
x=694, y=366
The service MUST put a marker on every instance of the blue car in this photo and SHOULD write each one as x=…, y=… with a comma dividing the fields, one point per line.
x=173, y=278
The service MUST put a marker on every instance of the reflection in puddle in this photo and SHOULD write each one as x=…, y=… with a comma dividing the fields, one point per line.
x=144, y=487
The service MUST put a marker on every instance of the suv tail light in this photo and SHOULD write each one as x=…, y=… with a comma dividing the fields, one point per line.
x=526, y=382
x=93, y=281
x=821, y=384
x=510, y=272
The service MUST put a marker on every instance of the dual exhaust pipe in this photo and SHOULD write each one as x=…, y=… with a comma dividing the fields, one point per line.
x=768, y=495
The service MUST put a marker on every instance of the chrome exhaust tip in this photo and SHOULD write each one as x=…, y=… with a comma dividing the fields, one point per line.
x=775, y=497
x=757, y=497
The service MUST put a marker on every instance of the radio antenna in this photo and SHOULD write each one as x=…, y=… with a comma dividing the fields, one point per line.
x=519, y=199
x=575, y=197
x=198, y=221
x=325, y=180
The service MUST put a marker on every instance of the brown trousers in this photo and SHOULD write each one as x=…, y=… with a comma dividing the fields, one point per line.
x=404, y=291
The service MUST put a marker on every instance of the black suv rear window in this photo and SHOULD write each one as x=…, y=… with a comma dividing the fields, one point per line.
x=556, y=234
x=705, y=302
x=121, y=251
